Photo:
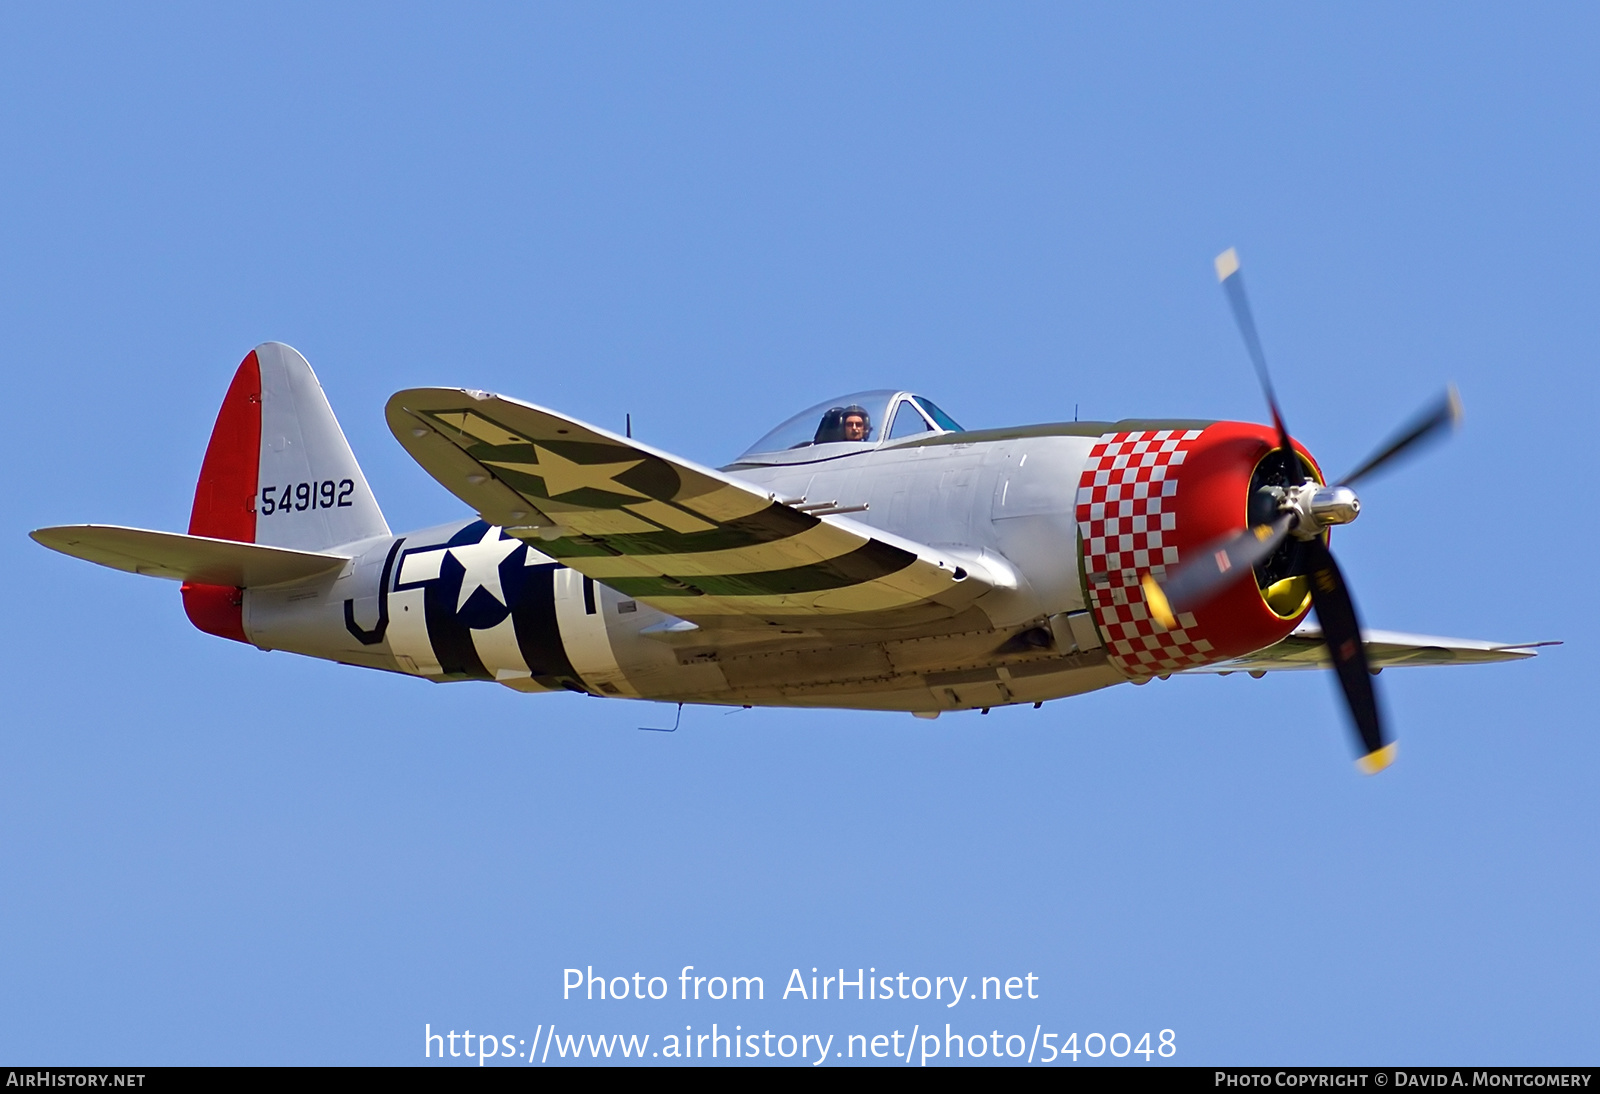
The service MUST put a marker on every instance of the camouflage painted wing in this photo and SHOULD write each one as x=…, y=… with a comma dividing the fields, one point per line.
x=684, y=539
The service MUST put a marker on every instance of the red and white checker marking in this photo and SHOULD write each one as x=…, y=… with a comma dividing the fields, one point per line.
x=1127, y=517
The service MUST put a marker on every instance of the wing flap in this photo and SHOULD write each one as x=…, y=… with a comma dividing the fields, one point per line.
x=693, y=542
x=177, y=557
x=1304, y=649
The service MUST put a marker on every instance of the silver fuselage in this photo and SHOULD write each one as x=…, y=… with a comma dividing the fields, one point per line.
x=459, y=601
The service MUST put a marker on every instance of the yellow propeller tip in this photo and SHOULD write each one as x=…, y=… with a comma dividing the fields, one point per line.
x=1455, y=405
x=1227, y=264
x=1160, y=609
x=1374, y=762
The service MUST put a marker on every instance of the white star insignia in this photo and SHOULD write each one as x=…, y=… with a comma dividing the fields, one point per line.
x=482, y=561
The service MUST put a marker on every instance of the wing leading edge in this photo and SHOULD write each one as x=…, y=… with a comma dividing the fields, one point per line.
x=684, y=539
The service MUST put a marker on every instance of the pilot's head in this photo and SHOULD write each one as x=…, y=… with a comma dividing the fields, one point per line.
x=857, y=423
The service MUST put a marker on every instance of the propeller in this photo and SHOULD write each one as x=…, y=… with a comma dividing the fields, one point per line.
x=1303, y=510
x=1430, y=423
x=1232, y=279
x=1341, y=630
x=1216, y=565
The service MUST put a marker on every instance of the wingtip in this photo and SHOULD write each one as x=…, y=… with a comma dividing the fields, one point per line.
x=1520, y=647
x=1375, y=761
x=1227, y=264
x=59, y=537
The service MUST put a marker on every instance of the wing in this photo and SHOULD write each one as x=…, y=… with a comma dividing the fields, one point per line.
x=185, y=558
x=690, y=541
x=1304, y=649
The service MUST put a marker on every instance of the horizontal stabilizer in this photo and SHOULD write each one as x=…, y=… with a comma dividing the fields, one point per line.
x=199, y=559
x=1305, y=649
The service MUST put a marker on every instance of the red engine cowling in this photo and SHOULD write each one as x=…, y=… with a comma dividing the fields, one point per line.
x=1145, y=500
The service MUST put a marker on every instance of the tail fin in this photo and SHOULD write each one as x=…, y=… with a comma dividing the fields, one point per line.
x=278, y=472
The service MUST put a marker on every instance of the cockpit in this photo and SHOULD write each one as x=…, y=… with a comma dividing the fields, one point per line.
x=849, y=424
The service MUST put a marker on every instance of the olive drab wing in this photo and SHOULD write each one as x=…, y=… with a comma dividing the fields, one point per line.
x=692, y=542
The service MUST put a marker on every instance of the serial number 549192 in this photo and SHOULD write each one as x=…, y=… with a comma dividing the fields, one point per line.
x=300, y=496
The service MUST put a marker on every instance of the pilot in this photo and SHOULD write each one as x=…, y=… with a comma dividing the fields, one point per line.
x=844, y=423
x=857, y=423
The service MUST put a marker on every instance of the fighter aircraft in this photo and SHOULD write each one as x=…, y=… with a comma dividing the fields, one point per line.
x=868, y=553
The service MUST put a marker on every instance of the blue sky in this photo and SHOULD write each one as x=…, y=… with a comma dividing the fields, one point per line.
x=710, y=217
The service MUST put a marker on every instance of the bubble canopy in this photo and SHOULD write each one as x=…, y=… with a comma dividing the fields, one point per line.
x=850, y=423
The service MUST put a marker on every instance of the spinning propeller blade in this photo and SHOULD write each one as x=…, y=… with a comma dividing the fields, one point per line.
x=1336, y=614
x=1216, y=566
x=1232, y=280
x=1443, y=415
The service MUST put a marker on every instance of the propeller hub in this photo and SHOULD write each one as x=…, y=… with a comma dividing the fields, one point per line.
x=1316, y=507
x=1335, y=505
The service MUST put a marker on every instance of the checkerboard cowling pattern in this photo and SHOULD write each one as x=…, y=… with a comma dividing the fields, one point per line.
x=1127, y=516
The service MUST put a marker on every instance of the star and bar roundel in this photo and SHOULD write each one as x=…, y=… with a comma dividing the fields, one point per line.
x=682, y=538
x=481, y=580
